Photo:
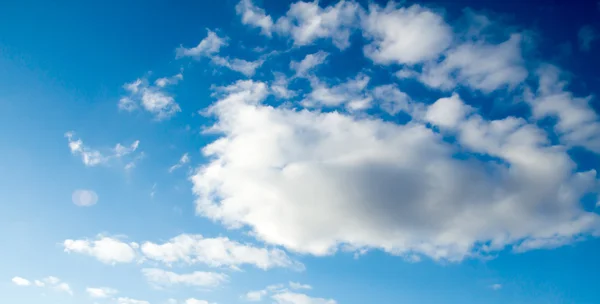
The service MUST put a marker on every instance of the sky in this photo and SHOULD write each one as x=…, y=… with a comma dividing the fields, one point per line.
x=327, y=152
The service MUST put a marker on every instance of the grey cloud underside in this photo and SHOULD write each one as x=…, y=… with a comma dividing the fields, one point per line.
x=313, y=181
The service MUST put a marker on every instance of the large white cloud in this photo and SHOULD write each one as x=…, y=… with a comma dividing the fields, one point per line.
x=318, y=181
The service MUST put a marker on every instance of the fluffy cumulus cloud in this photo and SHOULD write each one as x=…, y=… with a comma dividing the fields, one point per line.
x=351, y=94
x=20, y=281
x=153, y=98
x=163, y=279
x=315, y=182
x=101, y=292
x=106, y=249
x=404, y=35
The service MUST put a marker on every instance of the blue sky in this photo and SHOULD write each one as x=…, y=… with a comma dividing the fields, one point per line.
x=299, y=152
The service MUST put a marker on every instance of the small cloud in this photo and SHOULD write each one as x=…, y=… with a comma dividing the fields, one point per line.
x=84, y=198
x=185, y=158
x=101, y=292
x=496, y=286
x=295, y=285
x=587, y=35
x=20, y=281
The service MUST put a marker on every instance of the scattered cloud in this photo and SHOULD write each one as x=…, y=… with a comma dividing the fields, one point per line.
x=248, y=68
x=130, y=301
x=404, y=35
x=105, y=249
x=496, y=286
x=288, y=297
x=279, y=87
x=216, y=252
x=185, y=248
x=586, y=36
x=152, y=98
x=309, y=62
x=305, y=22
x=351, y=94
x=295, y=285
x=577, y=123
x=208, y=47
x=101, y=292
x=20, y=281
x=161, y=278
x=281, y=295
x=185, y=159
x=92, y=157
x=51, y=282
x=84, y=198
x=254, y=16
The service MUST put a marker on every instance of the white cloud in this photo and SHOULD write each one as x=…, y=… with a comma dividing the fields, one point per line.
x=161, y=278
x=404, y=35
x=185, y=158
x=130, y=301
x=279, y=87
x=209, y=46
x=55, y=284
x=392, y=100
x=296, y=285
x=165, y=81
x=577, y=122
x=587, y=35
x=255, y=296
x=106, y=249
x=477, y=65
x=196, y=301
x=152, y=98
x=307, y=22
x=448, y=112
x=84, y=198
x=101, y=292
x=315, y=182
x=255, y=16
x=288, y=297
x=496, y=286
x=216, y=252
x=248, y=68
x=309, y=62
x=92, y=157
x=352, y=94
x=20, y=281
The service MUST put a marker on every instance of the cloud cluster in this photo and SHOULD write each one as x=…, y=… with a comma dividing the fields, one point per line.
x=187, y=249
x=315, y=182
x=210, y=46
x=92, y=157
x=50, y=282
x=282, y=295
x=153, y=98
x=162, y=278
